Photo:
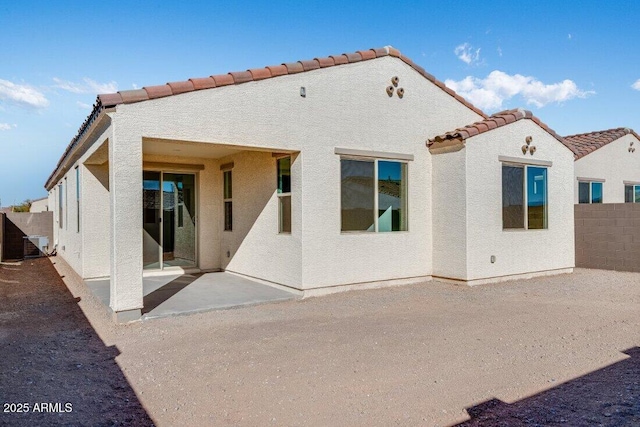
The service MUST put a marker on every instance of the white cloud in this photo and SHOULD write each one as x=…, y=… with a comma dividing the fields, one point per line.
x=569, y=36
x=86, y=86
x=489, y=93
x=23, y=95
x=466, y=54
x=5, y=126
x=636, y=85
x=83, y=105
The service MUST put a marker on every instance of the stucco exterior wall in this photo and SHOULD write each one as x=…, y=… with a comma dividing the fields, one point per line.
x=255, y=247
x=344, y=107
x=613, y=163
x=69, y=239
x=40, y=205
x=94, y=226
x=516, y=251
x=86, y=250
x=450, y=215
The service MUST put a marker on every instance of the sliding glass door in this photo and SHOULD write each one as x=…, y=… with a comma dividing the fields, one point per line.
x=169, y=220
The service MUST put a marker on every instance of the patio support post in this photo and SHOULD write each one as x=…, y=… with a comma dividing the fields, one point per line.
x=125, y=191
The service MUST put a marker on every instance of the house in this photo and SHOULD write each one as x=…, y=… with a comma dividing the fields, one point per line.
x=348, y=171
x=39, y=205
x=607, y=168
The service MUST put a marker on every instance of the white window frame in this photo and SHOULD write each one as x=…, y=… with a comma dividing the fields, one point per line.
x=633, y=185
x=590, y=181
x=283, y=195
x=525, y=196
x=226, y=200
x=401, y=158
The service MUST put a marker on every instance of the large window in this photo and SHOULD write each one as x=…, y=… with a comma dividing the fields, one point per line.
x=589, y=192
x=228, y=204
x=632, y=193
x=524, y=197
x=373, y=195
x=284, y=194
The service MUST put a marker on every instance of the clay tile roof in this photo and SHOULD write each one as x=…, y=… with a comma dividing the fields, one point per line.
x=294, y=67
x=585, y=143
x=353, y=57
x=181, y=87
x=223, y=79
x=160, y=91
x=110, y=99
x=381, y=51
x=340, y=59
x=203, y=83
x=241, y=76
x=325, y=62
x=394, y=52
x=310, y=65
x=135, y=95
x=367, y=54
x=277, y=70
x=497, y=120
x=151, y=92
x=260, y=73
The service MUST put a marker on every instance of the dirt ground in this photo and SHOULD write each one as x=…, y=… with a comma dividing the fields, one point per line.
x=560, y=350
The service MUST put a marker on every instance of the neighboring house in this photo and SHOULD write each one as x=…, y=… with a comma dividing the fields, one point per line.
x=39, y=205
x=607, y=167
x=313, y=175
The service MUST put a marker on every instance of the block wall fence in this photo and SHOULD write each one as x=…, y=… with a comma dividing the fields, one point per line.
x=608, y=236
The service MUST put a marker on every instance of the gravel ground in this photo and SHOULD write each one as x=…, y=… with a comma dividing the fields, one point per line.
x=559, y=350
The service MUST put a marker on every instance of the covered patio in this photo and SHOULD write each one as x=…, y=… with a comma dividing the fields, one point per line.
x=184, y=293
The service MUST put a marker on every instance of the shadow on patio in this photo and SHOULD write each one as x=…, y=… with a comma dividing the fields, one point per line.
x=51, y=354
x=609, y=396
x=176, y=294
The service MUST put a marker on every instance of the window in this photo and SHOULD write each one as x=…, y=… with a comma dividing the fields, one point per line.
x=78, y=199
x=632, y=193
x=228, y=205
x=524, y=197
x=60, y=205
x=589, y=192
x=284, y=194
x=373, y=195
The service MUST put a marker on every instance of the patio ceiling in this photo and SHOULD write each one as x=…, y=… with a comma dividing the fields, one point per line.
x=204, y=150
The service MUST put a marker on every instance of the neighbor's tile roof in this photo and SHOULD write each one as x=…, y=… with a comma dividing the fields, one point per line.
x=585, y=143
x=175, y=88
x=497, y=120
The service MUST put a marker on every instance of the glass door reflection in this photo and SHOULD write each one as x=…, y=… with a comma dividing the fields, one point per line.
x=169, y=220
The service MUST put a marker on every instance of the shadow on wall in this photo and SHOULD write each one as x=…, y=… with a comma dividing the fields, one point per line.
x=51, y=353
x=18, y=225
x=251, y=199
x=608, y=396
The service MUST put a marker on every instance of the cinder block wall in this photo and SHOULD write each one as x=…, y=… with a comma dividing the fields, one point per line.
x=608, y=236
x=18, y=224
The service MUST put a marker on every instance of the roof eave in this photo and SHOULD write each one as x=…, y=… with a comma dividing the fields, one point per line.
x=71, y=155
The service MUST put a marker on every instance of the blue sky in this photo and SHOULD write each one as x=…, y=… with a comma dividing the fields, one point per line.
x=574, y=64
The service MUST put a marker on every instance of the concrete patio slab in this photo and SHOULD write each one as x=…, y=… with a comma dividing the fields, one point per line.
x=177, y=294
